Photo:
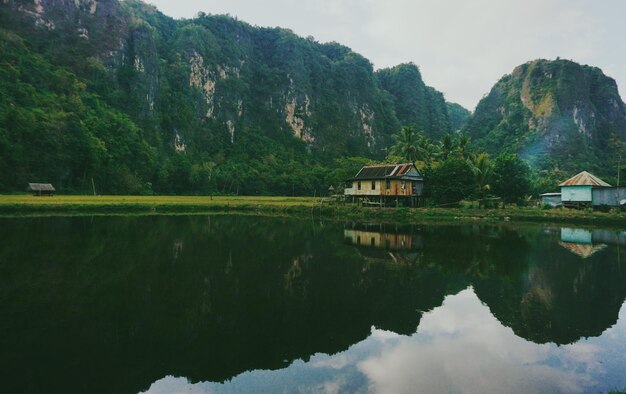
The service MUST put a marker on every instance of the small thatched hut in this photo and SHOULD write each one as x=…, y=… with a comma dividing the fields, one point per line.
x=41, y=189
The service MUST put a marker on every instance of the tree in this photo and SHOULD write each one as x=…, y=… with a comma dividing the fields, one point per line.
x=345, y=168
x=511, y=178
x=406, y=145
x=451, y=182
x=482, y=167
x=414, y=146
x=447, y=146
x=427, y=151
x=463, y=146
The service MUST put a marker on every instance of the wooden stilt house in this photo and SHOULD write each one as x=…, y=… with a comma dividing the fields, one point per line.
x=386, y=185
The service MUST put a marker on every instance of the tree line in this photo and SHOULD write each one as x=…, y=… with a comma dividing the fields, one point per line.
x=453, y=171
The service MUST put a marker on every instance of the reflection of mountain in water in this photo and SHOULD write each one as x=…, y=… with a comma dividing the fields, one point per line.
x=555, y=295
x=113, y=304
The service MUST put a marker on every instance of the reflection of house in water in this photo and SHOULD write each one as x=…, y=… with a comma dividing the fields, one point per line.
x=585, y=242
x=380, y=242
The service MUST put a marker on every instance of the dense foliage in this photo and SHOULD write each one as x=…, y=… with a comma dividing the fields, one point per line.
x=450, y=182
x=558, y=115
x=417, y=104
x=454, y=172
x=510, y=178
x=142, y=103
x=52, y=128
x=458, y=116
x=120, y=98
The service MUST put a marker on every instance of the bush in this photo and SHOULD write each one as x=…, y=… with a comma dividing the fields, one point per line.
x=451, y=182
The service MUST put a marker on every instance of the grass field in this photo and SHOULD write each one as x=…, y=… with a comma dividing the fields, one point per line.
x=151, y=201
x=20, y=205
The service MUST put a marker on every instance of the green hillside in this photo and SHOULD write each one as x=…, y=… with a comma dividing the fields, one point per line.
x=558, y=115
x=140, y=102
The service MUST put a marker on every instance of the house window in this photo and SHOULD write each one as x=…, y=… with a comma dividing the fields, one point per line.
x=373, y=185
x=359, y=185
x=388, y=184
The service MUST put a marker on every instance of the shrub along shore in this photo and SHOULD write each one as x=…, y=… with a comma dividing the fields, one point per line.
x=26, y=205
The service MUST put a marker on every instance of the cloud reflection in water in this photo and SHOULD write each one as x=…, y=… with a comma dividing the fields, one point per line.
x=458, y=347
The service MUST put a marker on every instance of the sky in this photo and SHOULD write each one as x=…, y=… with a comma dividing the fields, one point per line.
x=458, y=347
x=462, y=47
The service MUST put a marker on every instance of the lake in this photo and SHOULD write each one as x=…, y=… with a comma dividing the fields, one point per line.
x=220, y=304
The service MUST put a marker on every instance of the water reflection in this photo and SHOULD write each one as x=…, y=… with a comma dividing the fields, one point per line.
x=580, y=242
x=382, y=237
x=585, y=242
x=458, y=347
x=115, y=304
x=379, y=242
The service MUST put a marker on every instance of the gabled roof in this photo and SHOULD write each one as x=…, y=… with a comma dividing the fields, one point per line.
x=585, y=179
x=388, y=171
x=582, y=250
x=40, y=187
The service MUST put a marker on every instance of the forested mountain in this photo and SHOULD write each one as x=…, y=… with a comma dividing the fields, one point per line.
x=117, y=92
x=414, y=102
x=558, y=115
x=458, y=115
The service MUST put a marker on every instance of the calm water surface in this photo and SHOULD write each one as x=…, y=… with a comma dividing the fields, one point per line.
x=247, y=304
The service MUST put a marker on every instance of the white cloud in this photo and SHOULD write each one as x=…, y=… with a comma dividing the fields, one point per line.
x=461, y=347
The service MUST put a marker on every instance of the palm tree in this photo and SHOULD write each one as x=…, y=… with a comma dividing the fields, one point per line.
x=482, y=167
x=406, y=145
x=414, y=146
x=426, y=149
x=447, y=146
x=463, y=146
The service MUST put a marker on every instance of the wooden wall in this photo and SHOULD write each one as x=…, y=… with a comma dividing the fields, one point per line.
x=380, y=188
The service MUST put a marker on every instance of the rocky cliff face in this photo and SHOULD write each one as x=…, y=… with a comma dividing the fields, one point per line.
x=238, y=76
x=202, y=91
x=556, y=114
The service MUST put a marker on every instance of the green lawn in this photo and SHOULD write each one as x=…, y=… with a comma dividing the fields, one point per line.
x=29, y=200
x=12, y=205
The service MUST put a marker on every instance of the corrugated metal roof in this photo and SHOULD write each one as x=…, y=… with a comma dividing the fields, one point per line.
x=585, y=179
x=387, y=171
x=40, y=187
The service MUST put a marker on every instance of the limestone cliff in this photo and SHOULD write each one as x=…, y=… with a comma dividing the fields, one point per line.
x=556, y=114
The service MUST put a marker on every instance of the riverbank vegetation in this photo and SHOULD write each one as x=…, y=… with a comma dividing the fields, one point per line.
x=25, y=205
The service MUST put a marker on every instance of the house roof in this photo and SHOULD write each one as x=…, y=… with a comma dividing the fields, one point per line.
x=388, y=171
x=40, y=187
x=583, y=250
x=585, y=179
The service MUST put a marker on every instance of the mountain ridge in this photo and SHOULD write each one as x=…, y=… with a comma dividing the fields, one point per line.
x=557, y=114
x=201, y=99
x=203, y=87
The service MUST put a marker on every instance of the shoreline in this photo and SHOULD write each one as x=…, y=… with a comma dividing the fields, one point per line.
x=29, y=206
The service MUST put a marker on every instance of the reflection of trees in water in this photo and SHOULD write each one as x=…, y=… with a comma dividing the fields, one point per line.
x=141, y=298
x=557, y=296
x=540, y=290
x=249, y=293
